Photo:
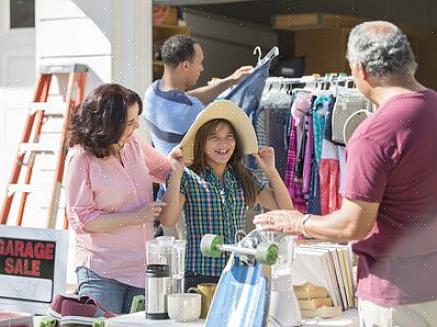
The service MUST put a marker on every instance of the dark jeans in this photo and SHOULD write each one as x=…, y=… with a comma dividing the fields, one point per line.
x=193, y=279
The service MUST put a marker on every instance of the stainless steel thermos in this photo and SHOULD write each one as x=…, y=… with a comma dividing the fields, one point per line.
x=158, y=285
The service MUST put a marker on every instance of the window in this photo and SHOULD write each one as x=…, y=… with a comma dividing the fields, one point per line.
x=22, y=13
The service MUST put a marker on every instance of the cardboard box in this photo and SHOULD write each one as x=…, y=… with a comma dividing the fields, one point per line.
x=323, y=50
x=297, y=22
x=425, y=50
x=322, y=40
x=172, y=17
x=163, y=32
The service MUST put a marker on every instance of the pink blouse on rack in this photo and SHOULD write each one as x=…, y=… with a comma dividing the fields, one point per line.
x=101, y=186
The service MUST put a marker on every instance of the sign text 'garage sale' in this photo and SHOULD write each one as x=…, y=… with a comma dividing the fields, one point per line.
x=27, y=258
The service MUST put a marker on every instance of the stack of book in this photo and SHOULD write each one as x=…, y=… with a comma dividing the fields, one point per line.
x=328, y=266
x=315, y=302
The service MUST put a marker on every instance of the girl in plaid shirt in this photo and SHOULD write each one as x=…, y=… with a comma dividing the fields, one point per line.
x=216, y=191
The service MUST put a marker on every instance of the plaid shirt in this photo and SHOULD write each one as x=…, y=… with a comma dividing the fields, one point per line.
x=212, y=207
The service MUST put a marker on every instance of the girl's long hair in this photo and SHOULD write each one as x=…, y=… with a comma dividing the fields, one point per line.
x=235, y=162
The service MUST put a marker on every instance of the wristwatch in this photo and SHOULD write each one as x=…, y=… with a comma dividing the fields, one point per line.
x=305, y=218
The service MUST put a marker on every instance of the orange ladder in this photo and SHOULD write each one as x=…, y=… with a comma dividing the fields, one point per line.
x=40, y=111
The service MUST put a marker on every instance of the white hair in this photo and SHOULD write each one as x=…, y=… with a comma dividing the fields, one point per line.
x=382, y=49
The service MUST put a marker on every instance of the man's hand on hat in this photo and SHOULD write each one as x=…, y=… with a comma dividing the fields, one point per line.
x=241, y=73
x=176, y=158
x=266, y=159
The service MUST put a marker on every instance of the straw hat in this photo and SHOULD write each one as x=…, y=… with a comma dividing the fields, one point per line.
x=222, y=109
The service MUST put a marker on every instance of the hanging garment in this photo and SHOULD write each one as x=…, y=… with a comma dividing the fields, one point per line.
x=261, y=130
x=275, y=107
x=309, y=154
x=314, y=206
x=328, y=125
x=348, y=102
x=302, y=102
x=352, y=122
x=294, y=184
x=329, y=173
x=247, y=93
x=320, y=110
x=298, y=169
x=278, y=120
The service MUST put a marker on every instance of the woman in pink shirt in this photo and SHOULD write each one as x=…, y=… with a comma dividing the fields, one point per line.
x=109, y=197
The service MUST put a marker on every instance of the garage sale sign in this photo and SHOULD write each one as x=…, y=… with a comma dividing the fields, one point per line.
x=20, y=257
x=32, y=267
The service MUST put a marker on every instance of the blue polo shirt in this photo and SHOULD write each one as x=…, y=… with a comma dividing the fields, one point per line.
x=169, y=115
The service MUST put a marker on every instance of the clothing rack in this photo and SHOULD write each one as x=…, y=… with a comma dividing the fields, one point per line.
x=311, y=118
x=311, y=79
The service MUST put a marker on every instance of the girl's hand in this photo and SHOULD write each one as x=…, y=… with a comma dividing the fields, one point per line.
x=176, y=158
x=266, y=159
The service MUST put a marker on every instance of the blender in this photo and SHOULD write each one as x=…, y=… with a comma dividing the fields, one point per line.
x=165, y=250
x=284, y=307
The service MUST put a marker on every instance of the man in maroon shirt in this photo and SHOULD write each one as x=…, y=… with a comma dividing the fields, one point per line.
x=390, y=198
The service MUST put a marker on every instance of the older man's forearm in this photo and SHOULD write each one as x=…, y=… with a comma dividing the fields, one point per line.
x=335, y=227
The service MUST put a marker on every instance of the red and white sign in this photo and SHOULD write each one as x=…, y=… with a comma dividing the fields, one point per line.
x=32, y=267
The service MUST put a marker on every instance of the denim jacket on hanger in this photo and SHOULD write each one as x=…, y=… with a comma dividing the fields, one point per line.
x=247, y=93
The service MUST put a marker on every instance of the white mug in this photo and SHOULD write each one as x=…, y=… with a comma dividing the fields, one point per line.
x=184, y=306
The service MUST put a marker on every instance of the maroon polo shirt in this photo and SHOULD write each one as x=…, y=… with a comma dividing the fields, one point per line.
x=392, y=159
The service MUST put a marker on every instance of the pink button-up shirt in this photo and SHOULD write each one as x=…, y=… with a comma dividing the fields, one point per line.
x=101, y=186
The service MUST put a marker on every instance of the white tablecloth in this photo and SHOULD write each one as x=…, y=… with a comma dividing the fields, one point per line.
x=348, y=319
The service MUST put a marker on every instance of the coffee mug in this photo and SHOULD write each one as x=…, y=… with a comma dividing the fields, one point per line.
x=184, y=306
x=206, y=290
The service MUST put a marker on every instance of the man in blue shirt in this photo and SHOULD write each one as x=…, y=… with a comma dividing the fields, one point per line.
x=171, y=104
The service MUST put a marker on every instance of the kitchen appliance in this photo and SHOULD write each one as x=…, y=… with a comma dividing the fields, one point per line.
x=284, y=306
x=157, y=289
x=168, y=251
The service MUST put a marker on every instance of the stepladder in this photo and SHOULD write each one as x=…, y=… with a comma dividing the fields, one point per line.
x=35, y=183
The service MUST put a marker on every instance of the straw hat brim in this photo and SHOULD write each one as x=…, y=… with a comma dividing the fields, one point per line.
x=226, y=110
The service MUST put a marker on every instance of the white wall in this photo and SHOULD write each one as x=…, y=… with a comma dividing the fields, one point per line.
x=17, y=76
x=112, y=37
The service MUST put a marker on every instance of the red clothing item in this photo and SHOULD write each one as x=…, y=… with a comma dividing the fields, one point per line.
x=392, y=159
x=329, y=172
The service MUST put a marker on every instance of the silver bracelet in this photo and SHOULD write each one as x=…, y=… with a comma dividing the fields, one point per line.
x=305, y=218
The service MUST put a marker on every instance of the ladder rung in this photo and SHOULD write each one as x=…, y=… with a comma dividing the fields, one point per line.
x=37, y=147
x=63, y=69
x=50, y=108
x=27, y=188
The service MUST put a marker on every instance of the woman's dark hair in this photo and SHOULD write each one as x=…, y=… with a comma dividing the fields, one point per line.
x=101, y=119
x=235, y=162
